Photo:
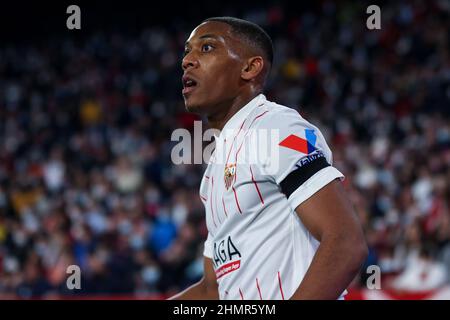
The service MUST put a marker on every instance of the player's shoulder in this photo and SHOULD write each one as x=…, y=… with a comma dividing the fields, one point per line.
x=273, y=115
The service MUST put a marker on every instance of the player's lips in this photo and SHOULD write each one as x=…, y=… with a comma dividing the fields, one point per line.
x=189, y=84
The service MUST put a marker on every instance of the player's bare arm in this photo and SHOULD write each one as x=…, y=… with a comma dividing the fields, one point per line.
x=205, y=289
x=330, y=218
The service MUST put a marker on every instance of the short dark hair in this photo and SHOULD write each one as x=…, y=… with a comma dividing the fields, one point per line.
x=250, y=32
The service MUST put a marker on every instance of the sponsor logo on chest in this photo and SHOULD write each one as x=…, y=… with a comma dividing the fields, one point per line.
x=227, y=257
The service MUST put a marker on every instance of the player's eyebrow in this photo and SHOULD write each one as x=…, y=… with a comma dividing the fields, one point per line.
x=205, y=36
x=209, y=35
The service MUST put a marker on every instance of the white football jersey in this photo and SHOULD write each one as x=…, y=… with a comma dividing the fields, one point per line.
x=267, y=161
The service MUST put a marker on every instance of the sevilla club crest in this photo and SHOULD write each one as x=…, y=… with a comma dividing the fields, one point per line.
x=230, y=171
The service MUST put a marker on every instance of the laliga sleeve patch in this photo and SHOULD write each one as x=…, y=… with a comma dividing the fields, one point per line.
x=299, y=144
x=306, y=168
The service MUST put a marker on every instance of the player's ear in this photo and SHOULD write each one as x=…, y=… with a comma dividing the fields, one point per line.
x=253, y=67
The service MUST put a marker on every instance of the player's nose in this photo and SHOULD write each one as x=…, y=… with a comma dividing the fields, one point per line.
x=189, y=61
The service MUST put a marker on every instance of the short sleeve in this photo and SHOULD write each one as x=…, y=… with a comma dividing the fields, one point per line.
x=299, y=161
x=208, y=247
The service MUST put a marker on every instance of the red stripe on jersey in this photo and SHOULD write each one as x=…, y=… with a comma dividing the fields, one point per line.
x=203, y=198
x=235, y=198
x=256, y=186
x=224, y=210
x=241, y=126
x=206, y=177
x=210, y=203
x=237, y=153
x=215, y=202
x=281, y=287
x=234, y=139
x=259, y=289
x=258, y=116
x=240, y=292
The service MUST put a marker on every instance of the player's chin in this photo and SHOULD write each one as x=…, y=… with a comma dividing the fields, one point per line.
x=192, y=105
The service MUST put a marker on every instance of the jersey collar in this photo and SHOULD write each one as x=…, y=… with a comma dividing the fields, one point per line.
x=233, y=125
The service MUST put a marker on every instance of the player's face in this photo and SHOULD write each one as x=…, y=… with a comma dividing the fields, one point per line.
x=212, y=68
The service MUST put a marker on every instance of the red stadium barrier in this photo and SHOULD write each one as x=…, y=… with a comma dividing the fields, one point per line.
x=366, y=294
x=353, y=294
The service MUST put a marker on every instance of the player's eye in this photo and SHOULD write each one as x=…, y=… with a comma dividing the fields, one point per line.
x=186, y=51
x=207, y=47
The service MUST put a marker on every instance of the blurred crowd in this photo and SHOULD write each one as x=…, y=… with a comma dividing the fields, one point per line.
x=86, y=176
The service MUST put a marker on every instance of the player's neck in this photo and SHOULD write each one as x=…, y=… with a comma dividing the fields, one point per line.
x=228, y=109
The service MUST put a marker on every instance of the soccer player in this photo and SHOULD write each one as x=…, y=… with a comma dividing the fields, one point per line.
x=283, y=233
